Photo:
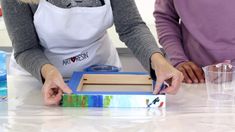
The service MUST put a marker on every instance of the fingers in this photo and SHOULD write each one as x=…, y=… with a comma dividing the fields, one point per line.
x=198, y=72
x=54, y=85
x=175, y=84
x=53, y=90
x=175, y=79
x=185, y=74
x=165, y=72
x=65, y=88
x=192, y=73
x=52, y=96
x=158, y=85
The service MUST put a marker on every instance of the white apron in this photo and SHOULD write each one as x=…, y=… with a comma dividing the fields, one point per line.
x=74, y=38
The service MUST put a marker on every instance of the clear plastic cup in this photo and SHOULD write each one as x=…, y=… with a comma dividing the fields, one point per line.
x=220, y=82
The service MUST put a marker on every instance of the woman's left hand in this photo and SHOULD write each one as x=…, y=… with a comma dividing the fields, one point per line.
x=165, y=72
x=54, y=85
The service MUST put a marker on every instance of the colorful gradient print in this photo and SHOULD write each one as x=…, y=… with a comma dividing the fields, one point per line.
x=106, y=101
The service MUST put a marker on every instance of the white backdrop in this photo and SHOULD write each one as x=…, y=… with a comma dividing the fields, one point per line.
x=145, y=7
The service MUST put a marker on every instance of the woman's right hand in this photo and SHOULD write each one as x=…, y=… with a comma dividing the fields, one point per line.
x=54, y=85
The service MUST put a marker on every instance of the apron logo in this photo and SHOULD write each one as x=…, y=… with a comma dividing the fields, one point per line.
x=76, y=58
x=73, y=59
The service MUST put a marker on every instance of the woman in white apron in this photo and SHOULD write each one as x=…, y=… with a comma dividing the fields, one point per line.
x=76, y=38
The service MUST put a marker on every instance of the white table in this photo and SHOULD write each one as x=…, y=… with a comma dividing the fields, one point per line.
x=188, y=111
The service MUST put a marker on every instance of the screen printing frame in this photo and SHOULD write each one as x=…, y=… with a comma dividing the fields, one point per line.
x=80, y=98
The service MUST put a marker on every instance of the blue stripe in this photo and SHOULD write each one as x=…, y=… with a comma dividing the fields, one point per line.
x=131, y=73
x=115, y=93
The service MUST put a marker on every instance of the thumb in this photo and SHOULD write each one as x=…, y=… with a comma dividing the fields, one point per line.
x=158, y=85
x=64, y=87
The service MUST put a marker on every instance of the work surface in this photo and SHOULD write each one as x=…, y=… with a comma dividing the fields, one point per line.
x=188, y=111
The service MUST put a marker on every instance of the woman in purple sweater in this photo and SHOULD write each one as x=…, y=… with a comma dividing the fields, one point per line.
x=196, y=33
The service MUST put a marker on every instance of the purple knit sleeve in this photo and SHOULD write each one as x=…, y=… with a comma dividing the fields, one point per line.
x=169, y=31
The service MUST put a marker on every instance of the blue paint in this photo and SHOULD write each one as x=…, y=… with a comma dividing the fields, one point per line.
x=3, y=77
x=95, y=101
x=90, y=101
x=100, y=101
x=102, y=68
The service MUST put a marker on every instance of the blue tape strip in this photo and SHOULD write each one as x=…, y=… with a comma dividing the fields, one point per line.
x=102, y=68
x=75, y=80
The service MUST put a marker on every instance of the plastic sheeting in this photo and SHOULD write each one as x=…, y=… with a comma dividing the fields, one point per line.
x=188, y=111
